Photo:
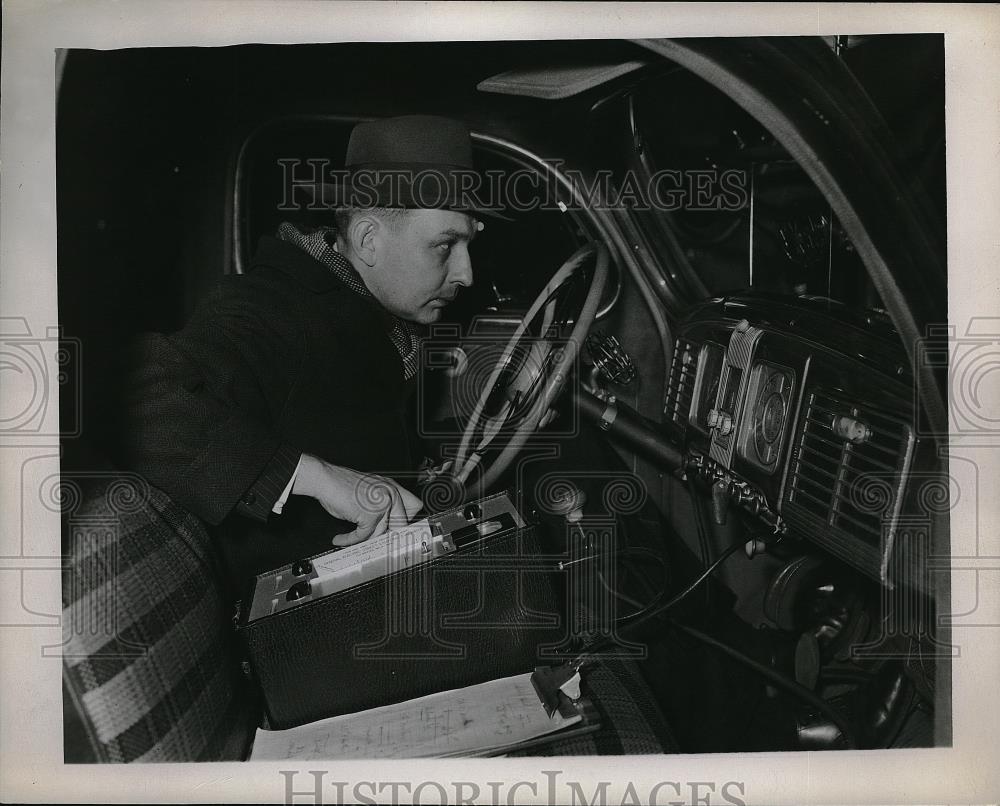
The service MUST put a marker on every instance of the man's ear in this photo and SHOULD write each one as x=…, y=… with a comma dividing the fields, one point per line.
x=363, y=230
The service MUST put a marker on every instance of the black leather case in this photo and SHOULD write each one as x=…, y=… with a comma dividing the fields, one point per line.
x=487, y=610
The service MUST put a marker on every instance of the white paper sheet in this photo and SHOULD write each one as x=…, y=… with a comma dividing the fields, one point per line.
x=377, y=557
x=462, y=722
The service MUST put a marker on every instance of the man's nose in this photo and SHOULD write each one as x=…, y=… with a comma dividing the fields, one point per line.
x=460, y=271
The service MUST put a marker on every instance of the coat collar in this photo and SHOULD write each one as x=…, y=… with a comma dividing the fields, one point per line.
x=288, y=259
x=293, y=262
x=302, y=267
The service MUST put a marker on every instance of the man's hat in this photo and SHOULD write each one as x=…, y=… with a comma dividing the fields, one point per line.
x=413, y=161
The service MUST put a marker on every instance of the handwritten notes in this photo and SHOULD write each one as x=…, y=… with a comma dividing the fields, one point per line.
x=475, y=720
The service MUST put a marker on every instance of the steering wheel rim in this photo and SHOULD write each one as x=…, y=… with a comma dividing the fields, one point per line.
x=552, y=366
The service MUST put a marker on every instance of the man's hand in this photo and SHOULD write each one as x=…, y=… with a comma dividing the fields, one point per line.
x=374, y=503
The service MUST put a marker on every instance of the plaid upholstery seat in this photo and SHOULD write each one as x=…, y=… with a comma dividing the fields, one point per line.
x=150, y=669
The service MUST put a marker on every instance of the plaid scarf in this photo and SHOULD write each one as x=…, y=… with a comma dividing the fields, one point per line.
x=319, y=244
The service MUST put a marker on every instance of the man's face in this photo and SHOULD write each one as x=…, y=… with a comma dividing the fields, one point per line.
x=420, y=262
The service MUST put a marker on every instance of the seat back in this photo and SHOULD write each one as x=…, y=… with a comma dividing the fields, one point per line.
x=151, y=668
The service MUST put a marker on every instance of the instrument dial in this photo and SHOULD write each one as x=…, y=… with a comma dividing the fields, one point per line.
x=771, y=390
x=773, y=419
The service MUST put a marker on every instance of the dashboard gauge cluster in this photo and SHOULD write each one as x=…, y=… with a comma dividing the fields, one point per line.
x=743, y=400
x=795, y=430
x=767, y=415
x=741, y=411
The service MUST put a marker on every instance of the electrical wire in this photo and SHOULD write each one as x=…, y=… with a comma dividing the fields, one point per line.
x=618, y=594
x=655, y=608
x=630, y=551
x=622, y=553
x=776, y=678
x=779, y=680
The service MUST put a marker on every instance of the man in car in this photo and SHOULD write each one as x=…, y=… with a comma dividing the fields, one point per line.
x=284, y=400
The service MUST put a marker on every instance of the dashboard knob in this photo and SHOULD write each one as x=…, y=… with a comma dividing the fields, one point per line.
x=851, y=430
x=568, y=502
x=725, y=423
x=301, y=568
x=713, y=418
x=742, y=326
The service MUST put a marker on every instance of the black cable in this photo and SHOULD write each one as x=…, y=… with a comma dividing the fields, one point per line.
x=774, y=677
x=779, y=680
x=624, y=553
x=618, y=594
x=655, y=608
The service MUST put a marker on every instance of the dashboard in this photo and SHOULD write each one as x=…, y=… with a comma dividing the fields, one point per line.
x=801, y=415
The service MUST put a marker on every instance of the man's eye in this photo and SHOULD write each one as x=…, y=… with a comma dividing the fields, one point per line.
x=445, y=247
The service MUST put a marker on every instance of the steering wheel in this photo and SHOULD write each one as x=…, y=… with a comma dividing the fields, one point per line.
x=533, y=368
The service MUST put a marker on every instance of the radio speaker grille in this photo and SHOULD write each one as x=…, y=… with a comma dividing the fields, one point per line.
x=848, y=490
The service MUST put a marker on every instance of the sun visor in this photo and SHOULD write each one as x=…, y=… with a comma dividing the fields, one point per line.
x=554, y=83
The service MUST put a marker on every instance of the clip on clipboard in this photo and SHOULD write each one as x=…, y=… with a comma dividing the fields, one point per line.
x=558, y=687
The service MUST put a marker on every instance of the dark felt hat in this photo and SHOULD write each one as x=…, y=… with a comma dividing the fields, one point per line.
x=413, y=161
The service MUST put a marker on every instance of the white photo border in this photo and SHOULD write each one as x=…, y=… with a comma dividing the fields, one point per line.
x=31, y=765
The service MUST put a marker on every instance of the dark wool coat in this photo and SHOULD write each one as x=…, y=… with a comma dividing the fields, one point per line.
x=282, y=360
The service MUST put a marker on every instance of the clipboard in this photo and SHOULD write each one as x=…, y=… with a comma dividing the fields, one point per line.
x=483, y=720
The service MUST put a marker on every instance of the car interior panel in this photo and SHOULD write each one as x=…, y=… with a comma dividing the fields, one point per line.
x=748, y=413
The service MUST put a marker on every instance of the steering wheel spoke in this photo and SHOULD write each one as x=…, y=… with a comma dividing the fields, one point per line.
x=533, y=368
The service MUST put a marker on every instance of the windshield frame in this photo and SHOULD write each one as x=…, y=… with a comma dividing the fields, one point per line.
x=808, y=99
